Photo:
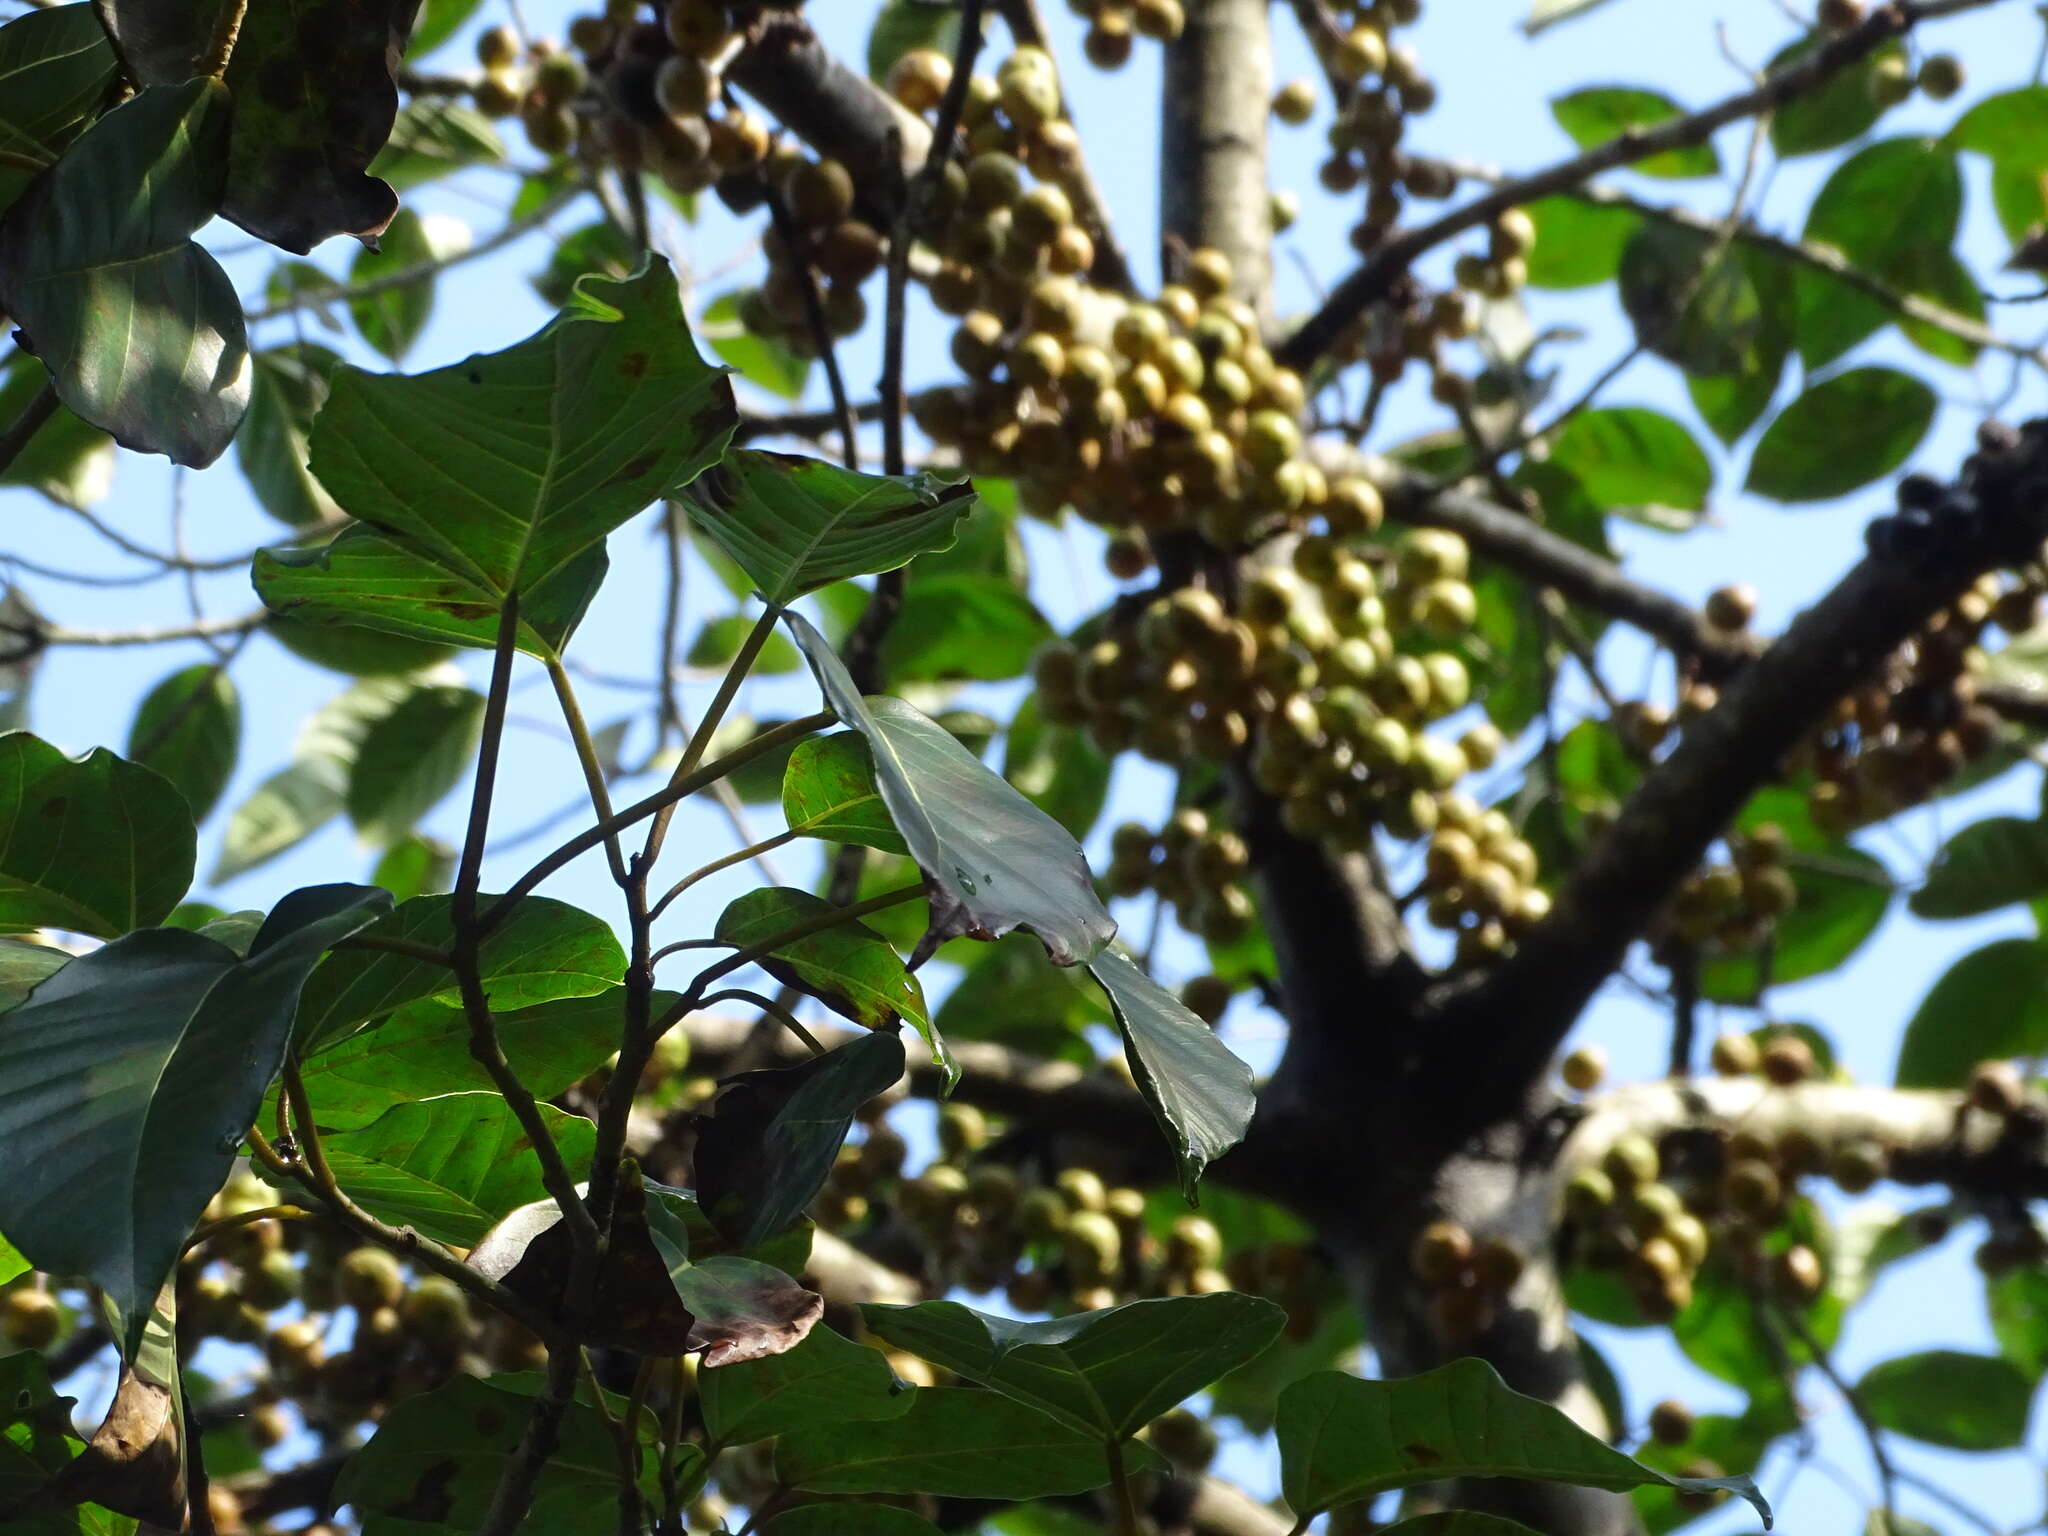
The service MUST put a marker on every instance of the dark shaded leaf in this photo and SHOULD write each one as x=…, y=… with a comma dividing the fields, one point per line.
x=1987, y=865
x=795, y=524
x=503, y=468
x=763, y=361
x=313, y=98
x=141, y=329
x=1596, y=114
x=992, y=860
x=288, y=387
x=545, y=950
x=770, y=1141
x=962, y=628
x=23, y=965
x=133, y=1073
x=1840, y=108
x=55, y=72
x=851, y=1519
x=1107, y=1373
x=825, y=1379
x=829, y=791
x=1990, y=1004
x=1200, y=1092
x=1343, y=1439
x=1946, y=1397
x=1841, y=434
x=189, y=729
x=93, y=844
x=369, y=580
x=958, y=1442
x=411, y=758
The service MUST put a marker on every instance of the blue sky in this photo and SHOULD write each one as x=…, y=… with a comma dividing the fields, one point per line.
x=1495, y=84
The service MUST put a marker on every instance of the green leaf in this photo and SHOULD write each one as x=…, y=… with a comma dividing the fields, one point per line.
x=770, y=1143
x=422, y=1051
x=134, y=1072
x=352, y=649
x=1107, y=1373
x=438, y=21
x=1732, y=1442
x=1596, y=114
x=391, y=319
x=1058, y=768
x=1990, y=1004
x=992, y=860
x=763, y=361
x=1987, y=865
x=2009, y=128
x=287, y=388
x=1578, y=243
x=450, y=1166
x=93, y=844
x=433, y=137
x=366, y=580
x=1946, y=1397
x=1831, y=317
x=829, y=792
x=1840, y=108
x=795, y=524
x=720, y=641
x=2018, y=1303
x=1010, y=995
x=596, y=250
x=67, y=460
x=1343, y=1439
x=23, y=966
x=953, y=1442
x=1635, y=461
x=850, y=968
x=1200, y=1092
x=849, y=1520
x=415, y=865
x=1838, y=909
x=545, y=950
x=189, y=728
x=1841, y=434
x=903, y=25
x=962, y=628
x=504, y=468
x=827, y=1378
x=37, y=1439
x=313, y=95
x=140, y=328
x=55, y=73
x=444, y=1450
x=411, y=758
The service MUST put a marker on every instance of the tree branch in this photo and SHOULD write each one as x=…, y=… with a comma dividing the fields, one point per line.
x=1321, y=332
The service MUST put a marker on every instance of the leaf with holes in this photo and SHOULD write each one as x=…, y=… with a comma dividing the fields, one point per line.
x=992, y=860
x=1344, y=1439
x=93, y=844
x=1841, y=434
x=795, y=524
x=132, y=1074
x=502, y=469
x=140, y=328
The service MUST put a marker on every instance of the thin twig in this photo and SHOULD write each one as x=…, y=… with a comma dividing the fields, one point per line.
x=26, y=425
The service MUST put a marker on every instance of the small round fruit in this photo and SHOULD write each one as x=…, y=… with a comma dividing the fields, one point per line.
x=496, y=47
x=1732, y=607
x=30, y=1318
x=1440, y=1252
x=1671, y=1423
x=1295, y=102
x=1737, y=1055
x=1796, y=1273
x=1631, y=1161
x=1787, y=1060
x=1941, y=76
x=368, y=1278
x=1584, y=1069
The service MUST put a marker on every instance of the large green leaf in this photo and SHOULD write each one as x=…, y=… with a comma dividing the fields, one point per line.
x=850, y=968
x=1841, y=434
x=545, y=950
x=1343, y=1439
x=953, y=1442
x=829, y=791
x=1990, y=1004
x=94, y=844
x=1595, y=114
x=2009, y=128
x=1057, y=767
x=1010, y=995
x=352, y=649
x=1578, y=243
x=825, y=1379
x=444, y=1451
x=1987, y=865
x=992, y=860
x=287, y=389
x=132, y=1074
x=1735, y=316
x=411, y=758
x=503, y=468
x=1106, y=1373
x=772, y=1137
x=1888, y=197
x=1946, y=1397
x=795, y=524
x=67, y=460
x=1633, y=461
x=422, y=1051
x=140, y=328
x=450, y=1166
x=369, y=580
x=962, y=628
x=1200, y=1092
x=189, y=728
x=55, y=72
x=1840, y=903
